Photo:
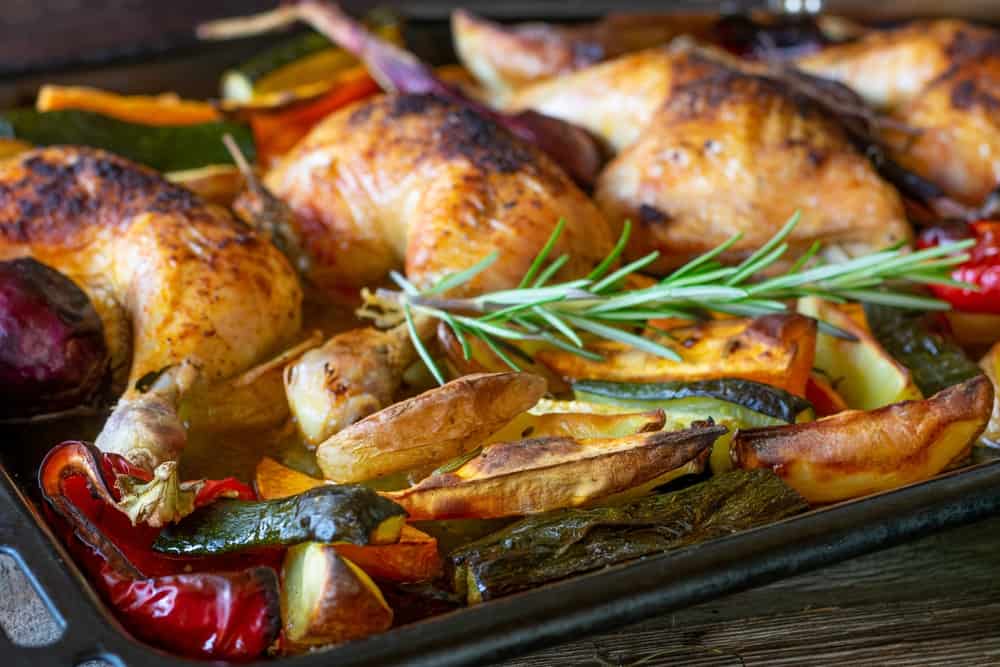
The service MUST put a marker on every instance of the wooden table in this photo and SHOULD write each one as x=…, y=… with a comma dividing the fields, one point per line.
x=931, y=602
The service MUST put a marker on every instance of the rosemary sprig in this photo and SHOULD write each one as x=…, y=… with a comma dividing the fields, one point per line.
x=603, y=306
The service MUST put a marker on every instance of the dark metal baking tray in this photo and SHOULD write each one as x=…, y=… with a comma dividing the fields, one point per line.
x=498, y=629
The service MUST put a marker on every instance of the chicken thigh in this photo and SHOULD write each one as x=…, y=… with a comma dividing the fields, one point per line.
x=707, y=147
x=184, y=291
x=418, y=183
x=942, y=80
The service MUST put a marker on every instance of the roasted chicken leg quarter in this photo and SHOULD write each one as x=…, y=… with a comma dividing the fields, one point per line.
x=418, y=183
x=186, y=293
x=939, y=79
x=708, y=147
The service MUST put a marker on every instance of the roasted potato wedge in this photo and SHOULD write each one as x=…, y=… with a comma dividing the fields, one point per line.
x=537, y=475
x=774, y=349
x=430, y=428
x=991, y=366
x=855, y=453
x=326, y=599
x=862, y=372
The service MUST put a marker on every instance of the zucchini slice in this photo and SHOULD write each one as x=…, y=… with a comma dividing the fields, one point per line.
x=329, y=513
x=555, y=545
x=238, y=83
x=167, y=148
x=711, y=396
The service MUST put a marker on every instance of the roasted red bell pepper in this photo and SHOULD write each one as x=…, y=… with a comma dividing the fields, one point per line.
x=228, y=613
x=277, y=131
x=982, y=269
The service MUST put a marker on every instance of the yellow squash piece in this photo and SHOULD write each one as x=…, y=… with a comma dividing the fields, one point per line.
x=533, y=424
x=774, y=349
x=428, y=429
x=861, y=372
x=855, y=453
x=165, y=109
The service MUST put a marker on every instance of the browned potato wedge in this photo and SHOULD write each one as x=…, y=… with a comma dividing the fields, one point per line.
x=326, y=599
x=862, y=372
x=855, y=453
x=774, y=349
x=537, y=475
x=430, y=428
x=991, y=366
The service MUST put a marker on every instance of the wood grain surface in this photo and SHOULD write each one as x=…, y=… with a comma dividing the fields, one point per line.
x=931, y=602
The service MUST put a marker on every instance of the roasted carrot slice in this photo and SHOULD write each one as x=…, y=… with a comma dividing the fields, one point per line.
x=166, y=109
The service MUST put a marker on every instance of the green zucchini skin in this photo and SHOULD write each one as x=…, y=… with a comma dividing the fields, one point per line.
x=165, y=148
x=284, y=53
x=333, y=513
x=762, y=398
x=934, y=361
x=555, y=545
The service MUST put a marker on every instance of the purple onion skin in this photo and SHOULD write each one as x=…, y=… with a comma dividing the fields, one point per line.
x=53, y=355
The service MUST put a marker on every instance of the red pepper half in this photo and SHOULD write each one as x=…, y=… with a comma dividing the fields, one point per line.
x=225, y=614
x=982, y=269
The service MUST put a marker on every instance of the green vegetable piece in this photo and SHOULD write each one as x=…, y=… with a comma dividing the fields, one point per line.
x=760, y=398
x=165, y=148
x=934, y=361
x=330, y=513
x=284, y=53
x=552, y=546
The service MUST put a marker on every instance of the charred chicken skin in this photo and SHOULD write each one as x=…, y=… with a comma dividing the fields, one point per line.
x=183, y=289
x=942, y=80
x=419, y=183
x=707, y=147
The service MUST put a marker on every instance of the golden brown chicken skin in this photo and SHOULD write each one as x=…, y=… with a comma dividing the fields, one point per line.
x=707, y=148
x=942, y=80
x=178, y=284
x=507, y=58
x=413, y=182
x=183, y=277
